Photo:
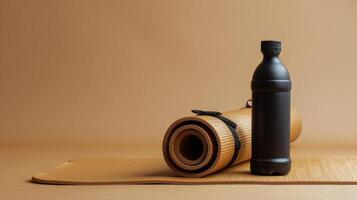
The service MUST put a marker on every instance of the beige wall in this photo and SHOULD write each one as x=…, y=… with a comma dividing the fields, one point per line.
x=119, y=72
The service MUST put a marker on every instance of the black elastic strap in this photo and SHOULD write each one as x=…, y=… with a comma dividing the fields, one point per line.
x=232, y=127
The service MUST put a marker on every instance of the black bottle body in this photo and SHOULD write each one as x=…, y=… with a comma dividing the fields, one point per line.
x=271, y=88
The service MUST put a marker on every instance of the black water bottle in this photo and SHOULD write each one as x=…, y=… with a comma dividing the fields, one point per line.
x=271, y=88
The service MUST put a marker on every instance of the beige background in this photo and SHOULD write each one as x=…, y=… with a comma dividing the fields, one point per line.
x=117, y=73
x=82, y=78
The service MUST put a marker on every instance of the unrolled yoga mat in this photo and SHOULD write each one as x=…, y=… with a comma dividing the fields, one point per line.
x=305, y=170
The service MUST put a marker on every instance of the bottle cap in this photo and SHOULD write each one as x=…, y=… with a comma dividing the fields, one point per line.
x=270, y=46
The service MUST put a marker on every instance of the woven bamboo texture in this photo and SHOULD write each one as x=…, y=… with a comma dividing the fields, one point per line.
x=215, y=140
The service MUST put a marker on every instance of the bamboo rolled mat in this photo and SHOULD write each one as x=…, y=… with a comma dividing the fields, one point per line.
x=196, y=146
x=305, y=170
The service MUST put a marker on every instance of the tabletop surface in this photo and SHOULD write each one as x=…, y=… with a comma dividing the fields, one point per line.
x=18, y=164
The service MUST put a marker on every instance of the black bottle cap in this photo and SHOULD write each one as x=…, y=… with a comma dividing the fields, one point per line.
x=270, y=46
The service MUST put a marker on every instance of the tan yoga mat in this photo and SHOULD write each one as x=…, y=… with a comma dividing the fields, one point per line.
x=196, y=146
x=305, y=170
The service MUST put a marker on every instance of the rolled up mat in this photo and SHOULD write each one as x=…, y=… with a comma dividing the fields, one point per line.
x=200, y=145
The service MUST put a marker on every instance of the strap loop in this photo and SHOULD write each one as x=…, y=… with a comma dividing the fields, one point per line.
x=248, y=103
x=217, y=115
